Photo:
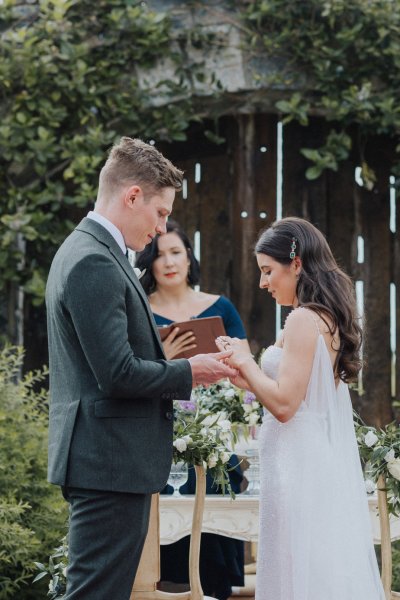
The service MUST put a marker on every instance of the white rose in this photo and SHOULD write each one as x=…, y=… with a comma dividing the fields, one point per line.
x=212, y=460
x=369, y=486
x=389, y=456
x=370, y=439
x=394, y=468
x=224, y=456
x=229, y=394
x=225, y=425
x=255, y=405
x=253, y=418
x=204, y=431
x=247, y=408
x=188, y=439
x=225, y=436
x=209, y=420
x=180, y=444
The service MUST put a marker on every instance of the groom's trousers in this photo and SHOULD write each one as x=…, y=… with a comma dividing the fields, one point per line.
x=107, y=531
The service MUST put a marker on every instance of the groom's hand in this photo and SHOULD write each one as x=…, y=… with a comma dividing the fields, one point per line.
x=209, y=368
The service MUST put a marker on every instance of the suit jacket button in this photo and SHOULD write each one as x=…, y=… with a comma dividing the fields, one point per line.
x=169, y=415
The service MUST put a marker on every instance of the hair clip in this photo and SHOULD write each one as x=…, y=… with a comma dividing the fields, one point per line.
x=293, y=248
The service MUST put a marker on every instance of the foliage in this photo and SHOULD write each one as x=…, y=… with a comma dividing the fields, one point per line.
x=73, y=78
x=56, y=571
x=32, y=513
x=342, y=57
x=380, y=450
x=206, y=427
x=238, y=406
x=202, y=438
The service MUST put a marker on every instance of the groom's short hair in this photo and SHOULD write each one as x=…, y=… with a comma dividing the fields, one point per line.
x=132, y=161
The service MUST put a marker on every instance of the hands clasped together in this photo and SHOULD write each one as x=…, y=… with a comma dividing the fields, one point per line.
x=238, y=359
x=230, y=362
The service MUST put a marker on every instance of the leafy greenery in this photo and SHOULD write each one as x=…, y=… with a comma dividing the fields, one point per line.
x=56, y=571
x=380, y=450
x=203, y=438
x=238, y=406
x=32, y=512
x=72, y=79
x=342, y=58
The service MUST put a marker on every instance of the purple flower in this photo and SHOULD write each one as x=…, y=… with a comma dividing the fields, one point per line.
x=187, y=405
x=248, y=397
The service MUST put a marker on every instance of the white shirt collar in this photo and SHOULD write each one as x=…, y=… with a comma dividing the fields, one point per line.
x=111, y=228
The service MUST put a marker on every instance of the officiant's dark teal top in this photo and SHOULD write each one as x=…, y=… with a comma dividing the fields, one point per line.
x=221, y=308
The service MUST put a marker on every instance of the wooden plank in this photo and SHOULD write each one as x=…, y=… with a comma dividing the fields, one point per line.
x=374, y=208
x=254, y=192
x=301, y=197
x=396, y=280
x=342, y=225
x=216, y=236
x=186, y=210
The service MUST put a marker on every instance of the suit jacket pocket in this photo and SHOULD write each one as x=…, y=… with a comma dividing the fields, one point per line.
x=114, y=409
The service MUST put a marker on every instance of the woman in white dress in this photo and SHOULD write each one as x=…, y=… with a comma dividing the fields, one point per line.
x=315, y=540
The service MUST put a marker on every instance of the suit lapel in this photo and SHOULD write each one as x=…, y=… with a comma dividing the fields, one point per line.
x=104, y=237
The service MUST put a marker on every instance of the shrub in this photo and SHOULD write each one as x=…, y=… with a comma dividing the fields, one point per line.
x=32, y=512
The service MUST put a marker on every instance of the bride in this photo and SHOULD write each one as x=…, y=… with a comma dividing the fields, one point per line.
x=315, y=540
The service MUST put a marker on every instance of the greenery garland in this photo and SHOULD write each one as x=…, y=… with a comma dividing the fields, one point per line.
x=380, y=451
x=72, y=79
x=341, y=59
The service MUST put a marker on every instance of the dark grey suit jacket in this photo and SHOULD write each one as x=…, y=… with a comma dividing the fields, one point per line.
x=111, y=389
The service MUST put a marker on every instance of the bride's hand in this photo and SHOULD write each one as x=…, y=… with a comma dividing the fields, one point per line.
x=240, y=382
x=240, y=356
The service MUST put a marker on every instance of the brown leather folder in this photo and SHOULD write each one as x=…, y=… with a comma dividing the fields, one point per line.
x=205, y=329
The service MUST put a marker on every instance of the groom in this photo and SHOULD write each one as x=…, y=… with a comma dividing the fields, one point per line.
x=111, y=410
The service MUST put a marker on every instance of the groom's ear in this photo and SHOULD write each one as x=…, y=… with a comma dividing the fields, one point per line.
x=132, y=195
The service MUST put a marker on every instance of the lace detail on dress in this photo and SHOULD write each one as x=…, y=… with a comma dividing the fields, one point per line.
x=270, y=361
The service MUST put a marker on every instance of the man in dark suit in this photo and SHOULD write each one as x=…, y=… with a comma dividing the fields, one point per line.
x=111, y=410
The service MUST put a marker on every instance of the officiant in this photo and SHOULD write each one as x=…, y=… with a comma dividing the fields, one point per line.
x=171, y=273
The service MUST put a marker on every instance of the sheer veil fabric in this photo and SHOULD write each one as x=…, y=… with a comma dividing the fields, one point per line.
x=315, y=540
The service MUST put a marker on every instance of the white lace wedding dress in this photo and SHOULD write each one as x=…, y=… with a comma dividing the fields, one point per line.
x=315, y=540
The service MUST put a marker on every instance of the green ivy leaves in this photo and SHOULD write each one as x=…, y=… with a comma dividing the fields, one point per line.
x=345, y=59
x=70, y=86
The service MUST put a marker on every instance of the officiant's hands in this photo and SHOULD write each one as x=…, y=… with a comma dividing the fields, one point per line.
x=175, y=344
x=210, y=368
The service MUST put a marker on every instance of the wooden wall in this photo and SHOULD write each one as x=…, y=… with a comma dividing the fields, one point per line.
x=238, y=183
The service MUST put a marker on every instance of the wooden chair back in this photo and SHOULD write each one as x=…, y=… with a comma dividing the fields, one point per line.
x=148, y=574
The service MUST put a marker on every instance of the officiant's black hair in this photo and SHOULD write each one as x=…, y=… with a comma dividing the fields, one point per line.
x=146, y=258
x=322, y=285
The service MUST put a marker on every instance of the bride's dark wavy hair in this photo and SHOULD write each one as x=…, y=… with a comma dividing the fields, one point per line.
x=322, y=286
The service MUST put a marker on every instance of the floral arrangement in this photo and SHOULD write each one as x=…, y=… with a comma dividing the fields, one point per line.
x=238, y=406
x=380, y=451
x=206, y=426
x=202, y=438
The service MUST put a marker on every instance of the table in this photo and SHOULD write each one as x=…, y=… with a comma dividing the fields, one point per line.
x=235, y=518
